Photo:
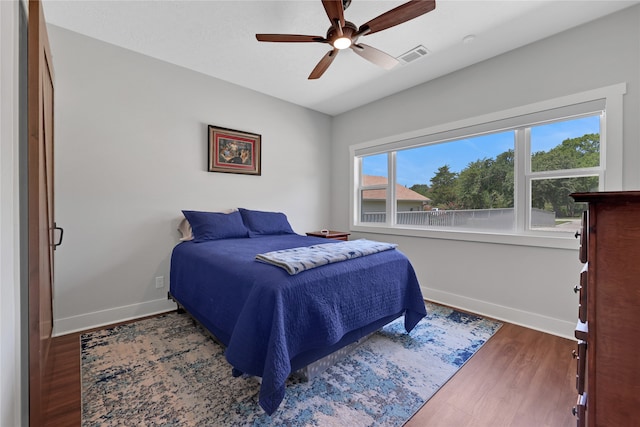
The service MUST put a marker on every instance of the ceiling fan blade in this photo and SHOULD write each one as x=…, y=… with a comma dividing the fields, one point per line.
x=289, y=38
x=398, y=15
x=323, y=64
x=375, y=56
x=335, y=12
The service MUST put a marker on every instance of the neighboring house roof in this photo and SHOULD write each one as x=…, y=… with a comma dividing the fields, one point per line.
x=402, y=193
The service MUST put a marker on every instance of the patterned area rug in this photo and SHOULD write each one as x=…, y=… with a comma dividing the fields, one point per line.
x=165, y=371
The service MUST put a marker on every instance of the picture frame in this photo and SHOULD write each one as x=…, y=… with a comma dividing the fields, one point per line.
x=234, y=151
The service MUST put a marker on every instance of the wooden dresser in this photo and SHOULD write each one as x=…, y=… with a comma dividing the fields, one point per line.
x=608, y=329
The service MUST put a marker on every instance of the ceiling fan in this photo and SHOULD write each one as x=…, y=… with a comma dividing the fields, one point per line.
x=344, y=34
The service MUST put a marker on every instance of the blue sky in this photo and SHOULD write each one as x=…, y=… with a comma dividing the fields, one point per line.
x=418, y=165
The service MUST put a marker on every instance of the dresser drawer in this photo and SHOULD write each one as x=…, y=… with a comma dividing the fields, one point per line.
x=582, y=290
x=583, y=235
x=581, y=365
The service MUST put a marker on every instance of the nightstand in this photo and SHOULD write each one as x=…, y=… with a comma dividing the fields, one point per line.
x=330, y=234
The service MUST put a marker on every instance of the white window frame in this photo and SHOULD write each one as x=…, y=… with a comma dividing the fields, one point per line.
x=609, y=172
x=530, y=176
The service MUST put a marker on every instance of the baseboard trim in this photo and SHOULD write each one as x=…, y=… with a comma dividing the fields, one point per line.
x=110, y=316
x=530, y=320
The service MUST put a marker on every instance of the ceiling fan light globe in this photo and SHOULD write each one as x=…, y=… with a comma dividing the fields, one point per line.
x=342, y=43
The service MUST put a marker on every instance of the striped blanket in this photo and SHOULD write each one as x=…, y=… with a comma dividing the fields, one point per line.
x=297, y=260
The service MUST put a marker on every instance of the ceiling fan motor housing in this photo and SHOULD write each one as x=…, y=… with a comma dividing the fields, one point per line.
x=348, y=30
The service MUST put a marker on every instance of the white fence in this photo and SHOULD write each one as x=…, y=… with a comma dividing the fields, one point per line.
x=472, y=218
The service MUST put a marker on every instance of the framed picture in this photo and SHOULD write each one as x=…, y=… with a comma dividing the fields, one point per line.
x=234, y=151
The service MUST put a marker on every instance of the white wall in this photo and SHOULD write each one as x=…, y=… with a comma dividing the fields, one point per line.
x=526, y=285
x=131, y=152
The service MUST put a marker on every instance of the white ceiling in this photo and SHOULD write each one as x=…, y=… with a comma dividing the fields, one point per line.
x=218, y=38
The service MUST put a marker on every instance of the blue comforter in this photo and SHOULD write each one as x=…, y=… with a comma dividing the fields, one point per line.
x=273, y=323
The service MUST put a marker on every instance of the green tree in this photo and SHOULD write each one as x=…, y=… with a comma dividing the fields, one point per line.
x=581, y=152
x=420, y=189
x=443, y=188
x=471, y=184
x=572, y=153
x=502, y=180
x=487, y=183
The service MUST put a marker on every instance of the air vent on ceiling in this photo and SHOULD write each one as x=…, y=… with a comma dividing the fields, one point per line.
x=415, y=53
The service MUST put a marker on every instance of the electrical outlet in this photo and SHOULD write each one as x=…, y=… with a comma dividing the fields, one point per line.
x=159, y=282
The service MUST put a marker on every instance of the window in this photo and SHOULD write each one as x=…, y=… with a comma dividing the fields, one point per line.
x=508, y=176
x=470, y=183
x=373, y=191
x=564, y=158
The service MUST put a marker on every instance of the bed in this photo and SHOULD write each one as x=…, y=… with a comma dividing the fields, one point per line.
x=272, y=322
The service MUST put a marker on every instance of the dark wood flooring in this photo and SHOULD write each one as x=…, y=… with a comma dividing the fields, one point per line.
x=519, y=378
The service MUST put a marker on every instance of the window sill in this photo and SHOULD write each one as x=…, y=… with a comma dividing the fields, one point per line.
x=563, y=241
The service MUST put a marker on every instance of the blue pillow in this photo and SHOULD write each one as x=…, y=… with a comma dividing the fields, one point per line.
x=264, y=223
x=215, y=225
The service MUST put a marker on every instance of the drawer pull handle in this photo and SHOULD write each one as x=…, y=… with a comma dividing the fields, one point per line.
x=576, y=289
x=574, y=411
x=574, y=354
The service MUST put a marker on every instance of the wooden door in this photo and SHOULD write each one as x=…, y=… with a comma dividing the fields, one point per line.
x=40, y=207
